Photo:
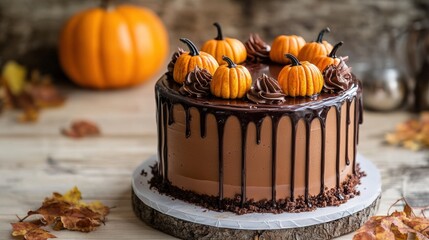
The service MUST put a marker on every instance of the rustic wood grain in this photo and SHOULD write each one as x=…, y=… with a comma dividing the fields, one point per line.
x=193, y=231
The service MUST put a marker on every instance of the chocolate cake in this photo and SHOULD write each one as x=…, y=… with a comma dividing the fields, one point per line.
x=263, y=152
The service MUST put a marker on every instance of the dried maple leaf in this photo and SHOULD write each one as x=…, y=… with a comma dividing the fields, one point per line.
x=398, y=225
x=30, y=231
x=69, y=212
x=81, y=128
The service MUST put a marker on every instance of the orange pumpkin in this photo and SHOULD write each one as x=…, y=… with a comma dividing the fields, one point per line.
x=230, y=81
x=221, y=46
x=285, y=44
x=300, y=78
x=314, y=49
x=331, y=59
x=187, y=61
x=113, y=47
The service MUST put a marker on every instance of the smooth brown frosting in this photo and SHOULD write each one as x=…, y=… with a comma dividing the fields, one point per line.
x=257, y=49
x=266, y=90
x=197, y=83
x=337, y=77
x=174, y=57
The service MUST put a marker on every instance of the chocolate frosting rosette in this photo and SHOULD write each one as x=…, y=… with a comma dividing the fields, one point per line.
x=174, y=57
x=257, y=49
x=266, y=90
x=197, y=83
x=337, y=77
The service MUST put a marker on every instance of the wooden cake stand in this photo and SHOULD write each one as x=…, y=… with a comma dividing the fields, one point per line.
x=187, y=221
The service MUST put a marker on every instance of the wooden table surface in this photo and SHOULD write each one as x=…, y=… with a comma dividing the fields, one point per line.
x=36, y=160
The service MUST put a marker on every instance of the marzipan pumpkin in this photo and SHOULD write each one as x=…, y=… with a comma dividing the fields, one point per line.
x=187, y=62
x=113, y=47
x=317, y=48
x=331, y=59
x=230, y=81
x=285, y=44
x=300, y=78
x=221, y=46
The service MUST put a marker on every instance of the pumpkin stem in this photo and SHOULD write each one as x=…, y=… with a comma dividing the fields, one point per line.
x=320, y=36
x=193, y=50
x=105, y=4
x=293, y=59
x=333, y=53
x=231, y=64
x=219, y=31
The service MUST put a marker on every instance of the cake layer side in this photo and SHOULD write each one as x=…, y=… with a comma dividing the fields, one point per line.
x=201, y=146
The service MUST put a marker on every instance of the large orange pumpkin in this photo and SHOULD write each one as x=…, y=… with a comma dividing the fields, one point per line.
x=113, y=47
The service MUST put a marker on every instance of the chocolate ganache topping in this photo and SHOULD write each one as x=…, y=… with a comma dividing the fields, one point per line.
x=174, y=57
x=197, y=83
x=266, y=90
x=337, y=78
x=257, y=49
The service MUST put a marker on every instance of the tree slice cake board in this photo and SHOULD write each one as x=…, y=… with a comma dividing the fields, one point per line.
x=188, y=221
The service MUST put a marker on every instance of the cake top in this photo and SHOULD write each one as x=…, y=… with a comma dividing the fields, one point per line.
x=290, y=71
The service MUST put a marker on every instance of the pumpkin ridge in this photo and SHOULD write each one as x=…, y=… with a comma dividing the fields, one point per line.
x=135, y=17
x=133, y=45
x=233, y=83
x=240, y=87
x=88, y=51
x=228, y=51
x=67, y=55
x=232, y=45
x=121, y=52
x=291, y=82
x=225, y=84
x=314, y=83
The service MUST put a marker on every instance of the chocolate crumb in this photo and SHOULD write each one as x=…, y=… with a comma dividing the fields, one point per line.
x=143, y=173
x=330, y=197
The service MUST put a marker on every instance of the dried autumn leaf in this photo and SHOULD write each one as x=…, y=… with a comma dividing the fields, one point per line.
x=398, y=225
x=412, y=134
x=14, y=76
x=30, y=231
x=45, y=95
x=69, y=212
x=81, y=128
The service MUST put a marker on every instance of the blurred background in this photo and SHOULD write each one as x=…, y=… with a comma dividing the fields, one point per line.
x=377, y=34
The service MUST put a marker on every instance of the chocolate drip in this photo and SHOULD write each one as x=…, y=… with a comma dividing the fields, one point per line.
x=348, y=102
x=203, y=114
x=258, y=125
x=159, y=129
x=322, y=119
x=294, y=123
x=275, y=122
x=337, y=166
x=167, y=98
x=244, y=124
x=308, y=120
x=221, y=119
x=188, y=122
x=170, y=113
x=355, y=129
x=165, y=147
